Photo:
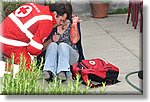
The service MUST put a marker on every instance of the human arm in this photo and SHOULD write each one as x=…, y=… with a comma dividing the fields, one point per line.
x=74, y=34
x=35, y=46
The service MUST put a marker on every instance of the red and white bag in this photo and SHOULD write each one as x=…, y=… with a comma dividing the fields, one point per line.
x=96, y=70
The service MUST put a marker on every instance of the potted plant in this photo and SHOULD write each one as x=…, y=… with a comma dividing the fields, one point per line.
x=99, y=8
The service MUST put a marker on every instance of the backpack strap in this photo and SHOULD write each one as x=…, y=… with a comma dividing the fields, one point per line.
x=85, y=78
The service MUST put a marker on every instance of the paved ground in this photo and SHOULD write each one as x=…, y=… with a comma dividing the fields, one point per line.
x=117, y=42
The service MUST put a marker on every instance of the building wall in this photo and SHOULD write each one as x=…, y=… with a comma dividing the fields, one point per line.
x=83, y=7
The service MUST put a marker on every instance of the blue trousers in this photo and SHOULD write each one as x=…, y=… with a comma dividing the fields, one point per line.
x=59, y=58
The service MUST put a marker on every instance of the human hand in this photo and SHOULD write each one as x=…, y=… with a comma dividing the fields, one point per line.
x=56, y=37
x=76, y=19
x=45, y=44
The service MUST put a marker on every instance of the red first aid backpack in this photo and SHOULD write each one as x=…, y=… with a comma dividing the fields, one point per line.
x=96, y=70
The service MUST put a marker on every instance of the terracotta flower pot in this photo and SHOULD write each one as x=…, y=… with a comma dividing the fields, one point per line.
x=99, y=9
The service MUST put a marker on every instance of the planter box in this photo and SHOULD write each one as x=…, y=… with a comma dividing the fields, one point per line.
x=99, y=9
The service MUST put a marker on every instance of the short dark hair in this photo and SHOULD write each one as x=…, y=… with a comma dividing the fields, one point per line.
x=60, y=8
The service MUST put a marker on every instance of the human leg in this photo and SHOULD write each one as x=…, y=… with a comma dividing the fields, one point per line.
x=66, y=57
x=18, y=55
x=63, y=58
x=51, y=58
x=74, y=56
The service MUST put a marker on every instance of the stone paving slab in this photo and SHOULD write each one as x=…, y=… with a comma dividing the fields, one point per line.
x=117, y=42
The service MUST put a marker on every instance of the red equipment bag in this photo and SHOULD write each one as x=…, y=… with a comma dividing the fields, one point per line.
x=96, y=70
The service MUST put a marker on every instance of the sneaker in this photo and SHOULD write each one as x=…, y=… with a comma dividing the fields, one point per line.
x=48, y=75
x=62, y=75
x=70, y=79
x=43, y=84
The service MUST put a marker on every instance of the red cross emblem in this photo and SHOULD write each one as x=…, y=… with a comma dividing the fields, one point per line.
x=23, y=11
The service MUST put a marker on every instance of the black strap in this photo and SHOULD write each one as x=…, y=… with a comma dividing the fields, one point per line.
x=110, y=82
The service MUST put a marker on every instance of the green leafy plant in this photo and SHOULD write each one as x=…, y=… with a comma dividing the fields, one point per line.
x=120, y=11
x=27, y=82
x=9, y=7
x=103, y=89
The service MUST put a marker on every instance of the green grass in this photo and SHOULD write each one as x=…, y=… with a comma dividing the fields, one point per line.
x=32, y=83
x=24, y=83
